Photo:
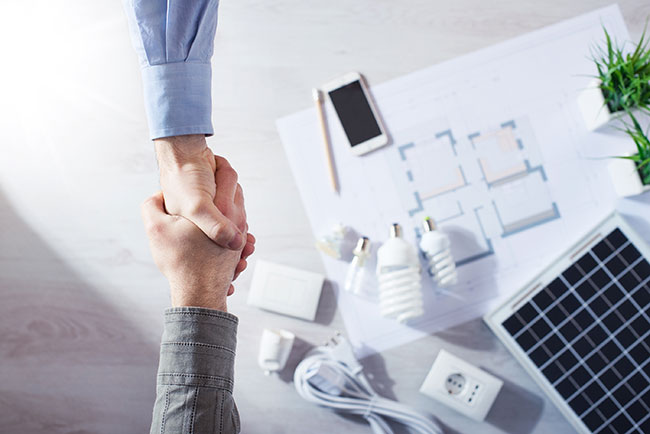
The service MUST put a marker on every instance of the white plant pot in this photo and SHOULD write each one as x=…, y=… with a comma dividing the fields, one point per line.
x=626, y=178
x=591, y=101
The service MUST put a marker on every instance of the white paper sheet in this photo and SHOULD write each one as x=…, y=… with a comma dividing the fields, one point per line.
x=492, y=146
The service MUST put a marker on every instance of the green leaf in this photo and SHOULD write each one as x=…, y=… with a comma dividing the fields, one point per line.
x=624, y=76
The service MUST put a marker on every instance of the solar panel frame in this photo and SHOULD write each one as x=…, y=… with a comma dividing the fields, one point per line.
x=566, y=329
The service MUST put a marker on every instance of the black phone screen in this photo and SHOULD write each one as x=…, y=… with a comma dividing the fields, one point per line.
x=354, y=111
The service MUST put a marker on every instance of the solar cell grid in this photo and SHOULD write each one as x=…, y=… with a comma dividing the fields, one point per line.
x=586, y=263
x=552, y=372
x=570, y=303
x=625, y=337
x=596, y=333
x=615, y=265
x=599, y=278
x=642, y=269
x=602, y=250
x=583, y=346
x=589, y=333
x=586, y=289
x=557, y=288
x=543, y=299
x=630, y=253
x=526, y=340
x=579, y=404
x=572, y=275
x=581, y=375
x=583, y=319
x=556, y=315
x=598, y=305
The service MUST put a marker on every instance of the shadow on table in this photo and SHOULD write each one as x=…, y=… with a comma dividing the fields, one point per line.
x=516, y=410
x=375, y=370
x=298, y=352
x=473, y=334
x=327, y=304
x=640, y=225
x=70, y=361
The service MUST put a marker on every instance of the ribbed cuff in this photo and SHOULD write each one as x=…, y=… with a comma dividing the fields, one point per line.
x=198, y=348
x=178, y=99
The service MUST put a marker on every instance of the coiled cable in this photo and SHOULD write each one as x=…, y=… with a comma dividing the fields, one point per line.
x=331, y=376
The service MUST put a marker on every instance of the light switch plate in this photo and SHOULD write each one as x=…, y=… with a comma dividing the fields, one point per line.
x=285, y=290
x=461, y=386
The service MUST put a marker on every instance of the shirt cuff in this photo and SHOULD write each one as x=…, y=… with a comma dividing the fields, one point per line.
x=198, y=348
x=178, y=99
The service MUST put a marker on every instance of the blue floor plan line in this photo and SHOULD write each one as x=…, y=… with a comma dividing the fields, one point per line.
x=509, y=178
x=509, y=124
x=497, y=174
x=489, y=250
x=529, y=222
x=403, y=148
x=452, y=141
x=419, y=207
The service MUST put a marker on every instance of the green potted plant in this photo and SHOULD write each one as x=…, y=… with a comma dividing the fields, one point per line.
x=621, y=85
x=631, y=173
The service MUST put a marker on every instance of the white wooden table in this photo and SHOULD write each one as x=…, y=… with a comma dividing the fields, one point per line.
x=80, y=299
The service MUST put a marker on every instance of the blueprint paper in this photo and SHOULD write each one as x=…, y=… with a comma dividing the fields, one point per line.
x=492, y=146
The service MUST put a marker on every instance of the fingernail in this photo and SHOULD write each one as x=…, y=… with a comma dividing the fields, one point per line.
x=236, y=242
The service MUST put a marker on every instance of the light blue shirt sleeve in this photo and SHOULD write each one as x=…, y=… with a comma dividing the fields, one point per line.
x=174, y=40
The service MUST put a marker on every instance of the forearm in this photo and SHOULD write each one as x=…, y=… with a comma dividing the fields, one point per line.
x=196, y=372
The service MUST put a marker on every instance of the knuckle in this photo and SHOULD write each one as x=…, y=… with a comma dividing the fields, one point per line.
x=144, y=206
x=154, y=229
x=218, y=231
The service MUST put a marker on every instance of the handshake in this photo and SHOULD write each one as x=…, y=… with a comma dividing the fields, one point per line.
x=196, y=225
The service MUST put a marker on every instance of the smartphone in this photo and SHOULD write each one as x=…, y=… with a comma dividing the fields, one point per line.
x=357, y=113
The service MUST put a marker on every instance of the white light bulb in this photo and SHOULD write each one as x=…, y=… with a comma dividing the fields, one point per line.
x=398, y=272
x=436, y=247
x=357, y=269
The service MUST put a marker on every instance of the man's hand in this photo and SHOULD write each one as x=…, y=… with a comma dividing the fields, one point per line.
x=187, y=178
x=199, y=271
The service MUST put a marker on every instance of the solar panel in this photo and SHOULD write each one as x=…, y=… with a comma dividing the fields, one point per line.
x=582, y=328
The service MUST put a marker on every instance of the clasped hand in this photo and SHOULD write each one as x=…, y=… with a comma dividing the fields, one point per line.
x=197, y=226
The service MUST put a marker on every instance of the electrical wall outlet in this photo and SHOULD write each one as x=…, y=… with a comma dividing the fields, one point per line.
x=461, y=386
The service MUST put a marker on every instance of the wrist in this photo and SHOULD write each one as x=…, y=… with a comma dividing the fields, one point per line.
x=198, y=291
x=205, y=300
x=178, y=150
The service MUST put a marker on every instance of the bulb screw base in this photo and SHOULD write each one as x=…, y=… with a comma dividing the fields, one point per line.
x=428, y=224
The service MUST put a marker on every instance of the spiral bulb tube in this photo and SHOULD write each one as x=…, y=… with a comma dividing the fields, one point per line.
x=398, y=272
x=436, y=247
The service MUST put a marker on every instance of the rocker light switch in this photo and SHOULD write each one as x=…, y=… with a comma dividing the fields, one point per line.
x=285, y=290
x=461, y=386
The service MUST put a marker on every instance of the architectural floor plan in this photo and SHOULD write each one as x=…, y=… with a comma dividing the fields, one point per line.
x=486, y=184
x=492, y=146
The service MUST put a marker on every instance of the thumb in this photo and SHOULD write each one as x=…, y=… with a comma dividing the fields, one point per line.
x=217, y=226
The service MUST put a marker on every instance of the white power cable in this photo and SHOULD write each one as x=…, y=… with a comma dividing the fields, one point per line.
x=332, y=377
